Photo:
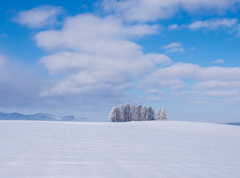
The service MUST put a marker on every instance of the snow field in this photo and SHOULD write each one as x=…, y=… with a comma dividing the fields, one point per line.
x=136, y=149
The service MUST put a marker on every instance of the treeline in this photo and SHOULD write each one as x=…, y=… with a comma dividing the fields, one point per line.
x=127, y=112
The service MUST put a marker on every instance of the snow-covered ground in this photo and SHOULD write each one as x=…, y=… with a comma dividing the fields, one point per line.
x=31, y=149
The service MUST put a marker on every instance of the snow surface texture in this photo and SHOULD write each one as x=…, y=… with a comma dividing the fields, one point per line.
x=135, y=149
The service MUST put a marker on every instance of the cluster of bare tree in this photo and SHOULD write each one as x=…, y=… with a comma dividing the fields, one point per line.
x=127, y=112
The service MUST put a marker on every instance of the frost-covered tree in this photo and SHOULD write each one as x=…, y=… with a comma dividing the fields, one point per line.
x=158, y=114
x=112, y=115
x=121, y=113
x=163, y=114
x=132, y=111
x=126, y=112
x=118, y=115
x=153, y=115
x=137, y=115
x=150, y=113
x=144, y=113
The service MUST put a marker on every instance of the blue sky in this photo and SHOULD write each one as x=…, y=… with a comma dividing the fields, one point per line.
x=84, y=57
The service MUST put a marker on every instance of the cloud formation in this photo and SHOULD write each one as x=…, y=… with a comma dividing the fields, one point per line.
x=152, y=10
x=194, y=71
x=173, y=27
x=207, y=81
x=218, y=61
x=154, y=98
x=217, y=84
x=96, y=55
x=174, y=47
x=210, y=94
x=212, y=24
x=38, y=17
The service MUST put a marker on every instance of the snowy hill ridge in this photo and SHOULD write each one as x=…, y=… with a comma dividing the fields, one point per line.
x=39, y=117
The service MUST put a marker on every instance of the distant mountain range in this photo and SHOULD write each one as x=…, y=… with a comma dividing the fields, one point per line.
x=39, y=117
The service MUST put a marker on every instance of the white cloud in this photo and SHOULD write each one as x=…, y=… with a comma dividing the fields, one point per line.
x=153, y=98
x=198, y=84
x=215, y=102
x=93, y=71
x=213, y=97
x=212, y=93
x=217, y=84
x=152, y=10
x=97, y=57
x=158, y=58
x=151, y=80
x=85, y=83
x=193, y=71
x=156, y=95
x=173, y=27
x=38, y=17
x=173, y=77
x=212, y=24
x=156, y=92
x=96, y=54
x=218, y=61
x=174, y=47
x=91, y=33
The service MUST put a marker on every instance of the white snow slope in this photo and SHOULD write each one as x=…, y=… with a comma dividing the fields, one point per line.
x=32, y=149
